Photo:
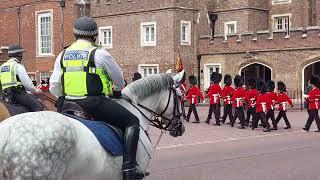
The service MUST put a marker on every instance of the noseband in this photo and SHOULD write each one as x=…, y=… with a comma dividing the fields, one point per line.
x=155, y=121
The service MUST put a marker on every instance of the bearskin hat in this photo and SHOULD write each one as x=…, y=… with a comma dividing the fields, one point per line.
x=281, y=86
x=270, y=86
x=216, y=77
x=314, y=80
x=227, y=80
x=238, y=81
x=193, y=80
x=262, y=87
x=251, y=82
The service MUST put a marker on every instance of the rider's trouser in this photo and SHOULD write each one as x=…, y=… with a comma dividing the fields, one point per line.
x=109, y=111
x=27, y=100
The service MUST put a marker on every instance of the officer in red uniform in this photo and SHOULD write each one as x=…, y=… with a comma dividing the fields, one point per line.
x=213, y=94
x=238, y=97
x=193, y=94
x=263, y=104
x=314, y=103
x=251, y=96
x=226, y=94
x=284, y=101
x=273, y=97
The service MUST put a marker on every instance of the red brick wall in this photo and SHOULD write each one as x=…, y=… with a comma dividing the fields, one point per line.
x=28, y=37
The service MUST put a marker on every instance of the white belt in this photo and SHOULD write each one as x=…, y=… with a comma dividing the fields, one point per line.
x=239, y=100
x=284, y=106
x=264, y=107
x=316, y=102
x=215, y=98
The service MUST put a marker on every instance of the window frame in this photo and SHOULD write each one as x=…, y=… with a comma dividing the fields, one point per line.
x=39, y=15
x=276, y=17
x=144, y=66
x=101, y=37
x=145, y=43
x=276, y=2
x=48, y=75
x=226, y=24
x=207, y=75
x=187, y=41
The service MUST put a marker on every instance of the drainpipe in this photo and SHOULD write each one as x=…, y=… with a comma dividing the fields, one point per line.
x=62, y=5
x=19, y=24
x=314, y=12
x=199, y=69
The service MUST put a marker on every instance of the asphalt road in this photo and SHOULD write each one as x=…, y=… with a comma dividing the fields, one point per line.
x=206, y=152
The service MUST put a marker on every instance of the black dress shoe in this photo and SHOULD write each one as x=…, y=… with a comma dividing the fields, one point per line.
x=306, y=129
x=317, y=131
x=241, y=127
x=266, y=130
x=288, y=127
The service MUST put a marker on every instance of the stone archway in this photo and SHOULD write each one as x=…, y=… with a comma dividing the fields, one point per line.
x=312, y=68
x=256, y=70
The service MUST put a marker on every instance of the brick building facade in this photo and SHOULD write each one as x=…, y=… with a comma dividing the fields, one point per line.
x=269, y=39
x=42, y=27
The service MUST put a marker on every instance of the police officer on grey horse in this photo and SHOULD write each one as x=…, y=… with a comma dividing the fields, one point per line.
x=15, y=81
x=90, y=82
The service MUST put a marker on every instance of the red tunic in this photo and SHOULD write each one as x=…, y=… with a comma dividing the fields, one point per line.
x=273, y=97
x=251, y=96
x=314, y=99
x=263, y=103
x=193, y=94
x=283, y=100
x=214, y=94
x=238, y=97
x=226, y=94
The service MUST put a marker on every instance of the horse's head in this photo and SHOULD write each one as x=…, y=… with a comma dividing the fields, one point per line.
x=175, y=124
x=158, y=99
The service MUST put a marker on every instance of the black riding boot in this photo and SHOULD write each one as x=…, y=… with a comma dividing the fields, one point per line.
x=130, y=169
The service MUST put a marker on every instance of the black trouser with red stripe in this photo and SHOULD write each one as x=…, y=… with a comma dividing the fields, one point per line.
x=193, y=109
x=313, y=115
x=270, y=115
x=251, y=112
x=227, y=111
x=283, y=114
x=215, y=108
x=239, y=113
x=260, y=116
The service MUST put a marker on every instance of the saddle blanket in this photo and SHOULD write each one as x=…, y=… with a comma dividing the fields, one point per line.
x=107, y=137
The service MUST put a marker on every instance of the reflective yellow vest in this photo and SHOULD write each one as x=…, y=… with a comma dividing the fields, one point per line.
x=80, y=75
x=9, y=76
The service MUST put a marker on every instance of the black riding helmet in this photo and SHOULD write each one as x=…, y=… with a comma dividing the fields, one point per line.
x=85, y=27
x=15, y=51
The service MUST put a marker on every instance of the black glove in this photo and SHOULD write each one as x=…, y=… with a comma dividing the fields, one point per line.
x=117, y=94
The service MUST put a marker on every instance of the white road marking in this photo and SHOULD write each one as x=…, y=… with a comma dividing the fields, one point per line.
x=229, y=139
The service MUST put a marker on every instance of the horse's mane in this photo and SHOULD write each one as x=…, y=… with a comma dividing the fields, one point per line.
x=145, y=87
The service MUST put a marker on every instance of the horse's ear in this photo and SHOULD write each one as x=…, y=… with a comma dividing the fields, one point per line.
x=178, y=77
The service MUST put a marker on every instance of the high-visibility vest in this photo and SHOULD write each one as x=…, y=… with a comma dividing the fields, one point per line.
x=9, y=77
x=80, y=76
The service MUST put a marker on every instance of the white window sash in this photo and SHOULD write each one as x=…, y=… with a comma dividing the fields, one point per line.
x=148, y=34
x=105, y=36
x=44, y=33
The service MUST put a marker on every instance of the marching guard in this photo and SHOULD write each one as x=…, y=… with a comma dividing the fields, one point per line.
x=192, y=95
x=238, y=98
x=226, y=94
x=283, y=100
x=314, y=104
x=213, y=94
x=273, y=97
x=251, y=96
x=263, y=104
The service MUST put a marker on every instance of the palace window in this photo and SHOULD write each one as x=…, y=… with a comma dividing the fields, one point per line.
x=105, y=36
x=185, y=32
x=149, y=34
x=44, y=31
x=148, y=69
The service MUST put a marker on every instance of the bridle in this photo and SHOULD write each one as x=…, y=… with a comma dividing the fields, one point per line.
x=155, y=121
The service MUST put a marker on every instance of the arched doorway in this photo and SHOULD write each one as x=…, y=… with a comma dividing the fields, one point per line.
x=256, y=70
x=309, y=70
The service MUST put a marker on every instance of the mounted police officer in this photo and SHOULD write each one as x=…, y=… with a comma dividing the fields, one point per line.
x=84, y=74
x=15, y=81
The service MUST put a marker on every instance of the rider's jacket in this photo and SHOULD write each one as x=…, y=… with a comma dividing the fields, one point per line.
x=9, y=77
x=80, y=76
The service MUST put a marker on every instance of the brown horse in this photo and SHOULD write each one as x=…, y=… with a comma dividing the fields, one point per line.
x=8, y=110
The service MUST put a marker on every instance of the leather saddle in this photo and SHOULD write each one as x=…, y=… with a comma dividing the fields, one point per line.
x=77, y=112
